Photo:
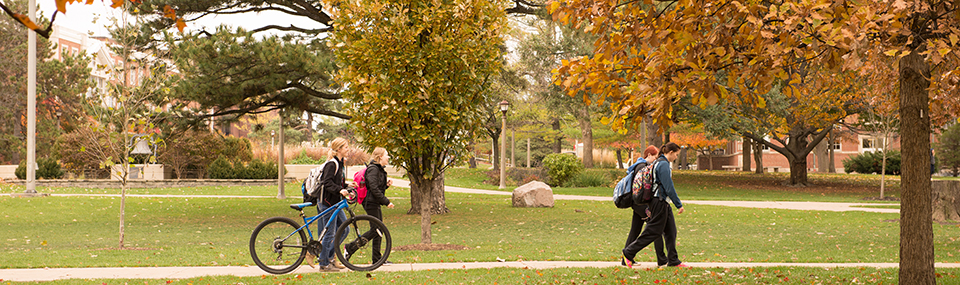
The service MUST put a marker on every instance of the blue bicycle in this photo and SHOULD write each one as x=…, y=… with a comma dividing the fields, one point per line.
x=279, y=245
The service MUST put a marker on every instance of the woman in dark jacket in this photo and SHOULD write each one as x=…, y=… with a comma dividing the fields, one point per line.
x=375, y=178
x=661, y=223
x=639, y=215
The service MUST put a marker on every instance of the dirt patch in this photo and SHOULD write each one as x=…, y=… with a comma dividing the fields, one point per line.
x=429, y=247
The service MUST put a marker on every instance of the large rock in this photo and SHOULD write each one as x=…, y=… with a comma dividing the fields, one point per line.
x=533, y=194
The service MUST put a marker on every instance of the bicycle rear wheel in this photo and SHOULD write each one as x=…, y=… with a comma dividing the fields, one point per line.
x=271, y=248
x=360, y=240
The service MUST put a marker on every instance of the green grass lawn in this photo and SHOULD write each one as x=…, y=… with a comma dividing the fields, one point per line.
x=612, y=275
x=83, y=232
x=179, y=231
x=724, y=186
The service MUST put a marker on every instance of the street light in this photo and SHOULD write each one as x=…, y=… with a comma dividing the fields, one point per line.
x=504, y=106
x=272, y=137
x=59, y=113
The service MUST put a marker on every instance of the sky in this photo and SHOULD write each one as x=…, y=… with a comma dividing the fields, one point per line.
x=93, y=18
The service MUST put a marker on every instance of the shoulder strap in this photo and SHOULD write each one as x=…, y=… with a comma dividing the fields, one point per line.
x=656, y=182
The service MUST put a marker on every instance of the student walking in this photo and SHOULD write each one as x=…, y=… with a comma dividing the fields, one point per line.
x=661, y=221
x=639, y=215
x=333, y=183
x=377, y=183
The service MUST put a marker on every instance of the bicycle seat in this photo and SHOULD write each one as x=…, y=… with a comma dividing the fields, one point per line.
x=300, y=206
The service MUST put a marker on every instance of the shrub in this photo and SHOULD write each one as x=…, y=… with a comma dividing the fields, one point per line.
x=220, y=169
x=304, y=158
x=561, y=168
x=871, y=162
x=21, y=171
x=237, y=148
x=257, y=169
x=49, y=169
x=588, y=179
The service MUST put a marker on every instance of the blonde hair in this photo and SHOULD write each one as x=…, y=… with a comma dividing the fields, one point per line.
x=336, y=145
x=378, y=153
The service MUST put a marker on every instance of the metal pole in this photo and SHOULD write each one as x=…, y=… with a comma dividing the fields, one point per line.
x=32, y=102
x=513, y=147
x=280, y=194
x=528, y=152
x=503, y=152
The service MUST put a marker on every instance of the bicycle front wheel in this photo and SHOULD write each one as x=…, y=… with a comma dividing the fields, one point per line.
x=360, y=240
x=277, y=246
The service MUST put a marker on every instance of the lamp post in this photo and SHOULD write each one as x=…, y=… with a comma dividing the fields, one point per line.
x=59, y=113
x=272, y=137
x=504, y=106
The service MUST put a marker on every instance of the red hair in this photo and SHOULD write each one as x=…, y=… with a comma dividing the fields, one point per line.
x=651, y=150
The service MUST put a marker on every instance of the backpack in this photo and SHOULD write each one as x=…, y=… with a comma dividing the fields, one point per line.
x=622, y=194
x=311, y=187
x=645, y=184
x=361, y=185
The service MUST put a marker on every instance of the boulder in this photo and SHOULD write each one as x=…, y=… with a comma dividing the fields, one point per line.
x=533, y=194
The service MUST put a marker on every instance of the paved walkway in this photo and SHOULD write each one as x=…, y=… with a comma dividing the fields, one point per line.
x=51, y=274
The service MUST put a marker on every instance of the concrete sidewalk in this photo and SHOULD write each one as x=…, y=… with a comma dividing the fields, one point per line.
x=53, y=274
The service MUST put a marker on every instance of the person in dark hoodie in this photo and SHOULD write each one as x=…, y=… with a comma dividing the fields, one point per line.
x=375, y=178
x=661, y=223
x=639, y=213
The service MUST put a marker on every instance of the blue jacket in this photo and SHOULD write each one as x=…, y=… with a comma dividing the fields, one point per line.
x=664, y=176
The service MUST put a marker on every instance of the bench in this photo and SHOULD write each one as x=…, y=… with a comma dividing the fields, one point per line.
x=731, y=167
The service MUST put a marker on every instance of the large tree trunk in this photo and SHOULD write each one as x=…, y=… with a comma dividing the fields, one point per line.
x=747, y=147
x=433, y=189
x=798, y=171
x=946, y=200
x=758, y=156
x=916, y=229
x=558, y=142
x=832, y=168
x=821, y=151
x=586, y=131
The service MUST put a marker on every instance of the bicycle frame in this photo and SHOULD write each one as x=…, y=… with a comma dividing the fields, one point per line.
x=307, y=221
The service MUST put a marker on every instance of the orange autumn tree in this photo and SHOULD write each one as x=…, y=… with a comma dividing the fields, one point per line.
x=168, y=12
x=695, y=139
x=650, y=53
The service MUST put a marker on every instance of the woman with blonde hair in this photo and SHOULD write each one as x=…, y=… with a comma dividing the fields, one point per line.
x=375, y=178
x=334, y=184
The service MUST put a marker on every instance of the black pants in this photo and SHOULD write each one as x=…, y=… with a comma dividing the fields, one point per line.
x=372, y=235
x=636, y=224
x=660, y=224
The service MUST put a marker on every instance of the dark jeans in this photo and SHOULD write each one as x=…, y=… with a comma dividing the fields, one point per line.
x=636, y=224
x=660, y=224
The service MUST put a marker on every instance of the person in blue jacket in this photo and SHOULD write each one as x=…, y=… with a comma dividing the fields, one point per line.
x=661, y=222
x=639, y=215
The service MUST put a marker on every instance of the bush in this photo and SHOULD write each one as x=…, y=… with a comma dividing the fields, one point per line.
x=49, y=169
x=257, y=169
x=304, y=158
x=871, y=162
x=589, y=179
x=561, y=168
x=221, y=169
x=523, y=175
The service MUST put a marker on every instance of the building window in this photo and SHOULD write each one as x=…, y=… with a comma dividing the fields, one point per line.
x=870, y=144
x=76, y=51
x=835, y=146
